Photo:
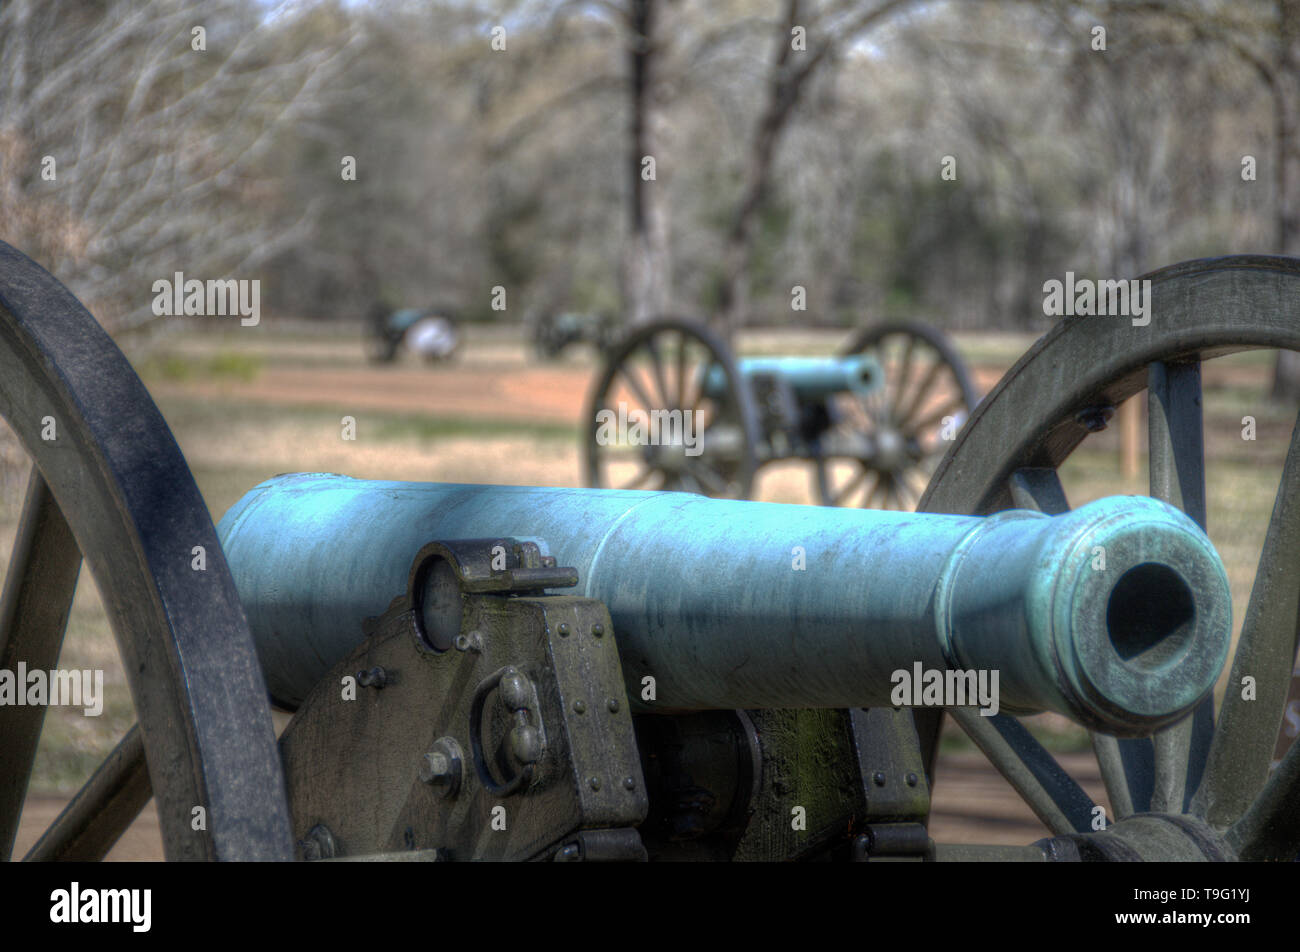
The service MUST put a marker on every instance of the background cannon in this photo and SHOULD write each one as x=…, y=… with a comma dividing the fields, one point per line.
x=553, y=332
x=432, y=333
x=724, y=782
x=873, y=420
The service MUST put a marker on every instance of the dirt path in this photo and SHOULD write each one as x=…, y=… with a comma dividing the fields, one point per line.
x=542, y=394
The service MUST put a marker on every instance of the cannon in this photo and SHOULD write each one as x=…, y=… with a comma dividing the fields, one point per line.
x=482, y=672
x=432, y=333
x=873, y=420
x=555, y=704
x=553, y=332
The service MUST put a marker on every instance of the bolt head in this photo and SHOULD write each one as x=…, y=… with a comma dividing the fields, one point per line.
x=526, y=744
x=514, y=690
x=440, y=768
x=435, y=767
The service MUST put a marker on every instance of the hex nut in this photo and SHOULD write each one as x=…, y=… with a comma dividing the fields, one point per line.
x=442, y=767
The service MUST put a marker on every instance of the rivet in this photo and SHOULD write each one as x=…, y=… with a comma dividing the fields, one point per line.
x=564, y=630
x=612, y=704
x=878, y=778
x=629, y=783
x=593, y=782
x=911, y=780
x=580, y=706
x=597, y=630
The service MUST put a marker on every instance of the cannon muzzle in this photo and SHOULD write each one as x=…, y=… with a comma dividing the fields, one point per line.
x=1117, y=614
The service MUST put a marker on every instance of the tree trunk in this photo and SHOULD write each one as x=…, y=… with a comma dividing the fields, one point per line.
x=1286, y=100
x=783, y=94
x=647, y=265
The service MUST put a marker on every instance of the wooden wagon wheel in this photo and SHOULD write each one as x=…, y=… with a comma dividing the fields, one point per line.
x=663, y=366
x=109, y=485
x=1201, y=788
x=909, y=422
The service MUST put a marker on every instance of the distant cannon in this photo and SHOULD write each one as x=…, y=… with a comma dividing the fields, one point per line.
x=433, y=334
x=553, y=332
x=873, y=420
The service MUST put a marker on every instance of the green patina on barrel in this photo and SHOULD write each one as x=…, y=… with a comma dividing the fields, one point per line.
x=811, y=378
x=736, y=604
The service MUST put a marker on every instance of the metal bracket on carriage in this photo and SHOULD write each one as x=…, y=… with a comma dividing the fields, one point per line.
x=497, y=566
x=443, y=572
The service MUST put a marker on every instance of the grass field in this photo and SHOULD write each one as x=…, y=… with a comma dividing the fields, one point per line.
x=250, y=404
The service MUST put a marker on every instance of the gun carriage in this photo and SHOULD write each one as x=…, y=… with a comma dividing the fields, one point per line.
x=873, y=420
x=498, y=640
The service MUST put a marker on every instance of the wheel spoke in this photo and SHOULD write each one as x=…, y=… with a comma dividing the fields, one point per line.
x=102, y=810
x=1110, y=758
x=850, y=486
x=640, y=479
x=949, y=407
x=1270, y=828
x=881, y=488
x=681, y=369
x=637, y=388
x=1038, y=488
x=923, y=388
x=1050, y=792
x=34, y=607
x=665, y=398
x=1177, y=438
x=1177, y=463
x=1266, y=651
x=702, y=473
x=904, y=371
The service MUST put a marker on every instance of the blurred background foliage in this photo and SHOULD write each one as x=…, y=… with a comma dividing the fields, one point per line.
x=775, y=167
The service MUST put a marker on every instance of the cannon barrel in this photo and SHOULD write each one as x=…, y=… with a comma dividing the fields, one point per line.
x=811, y=378
x=1116, y=614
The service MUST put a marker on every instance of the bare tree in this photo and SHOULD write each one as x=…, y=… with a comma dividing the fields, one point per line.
x=136, y=136
x=647, y=262
x=825, y=34
x=1264, y=34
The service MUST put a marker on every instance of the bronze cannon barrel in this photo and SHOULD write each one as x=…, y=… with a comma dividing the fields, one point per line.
x=1116, y=614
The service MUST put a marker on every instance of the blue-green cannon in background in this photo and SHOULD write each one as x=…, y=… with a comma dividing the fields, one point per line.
x=432, y=333
x=873, y=420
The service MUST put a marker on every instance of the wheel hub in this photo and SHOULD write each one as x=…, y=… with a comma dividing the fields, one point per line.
x=1144, y=837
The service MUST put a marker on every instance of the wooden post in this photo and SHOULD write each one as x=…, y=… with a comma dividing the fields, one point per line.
x=1130, y=413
